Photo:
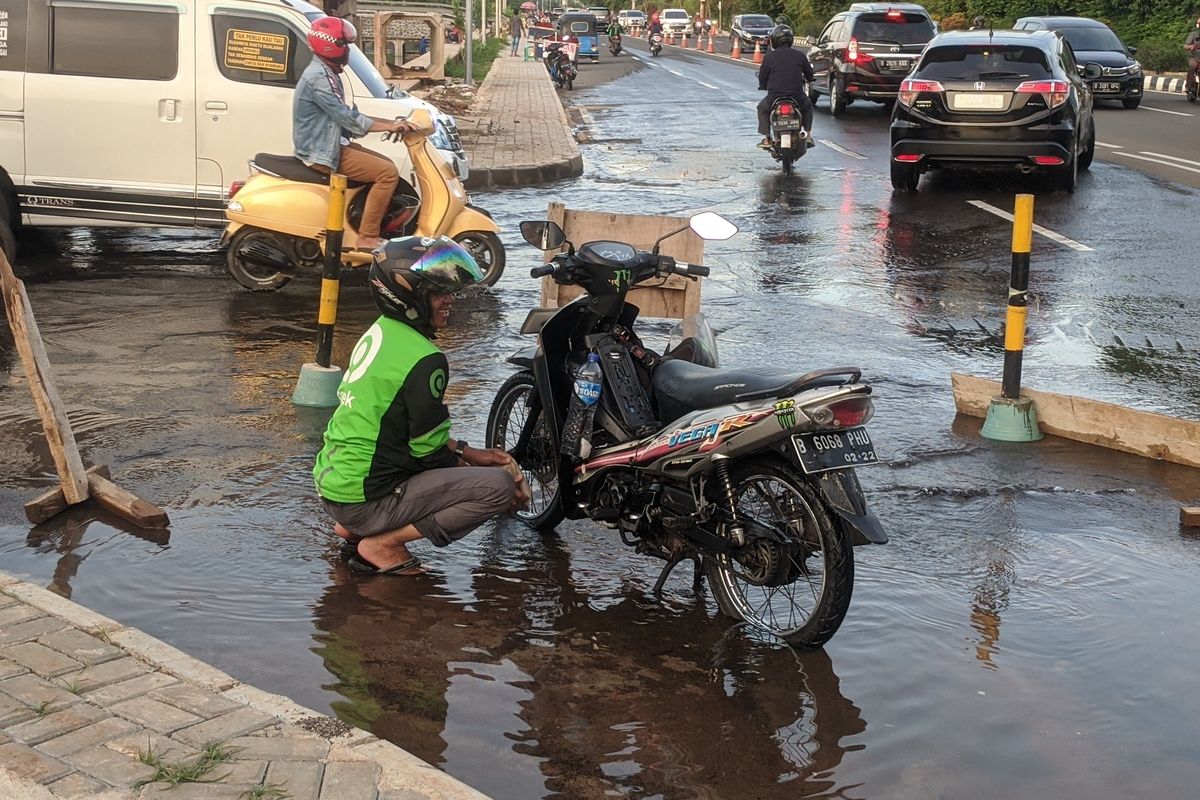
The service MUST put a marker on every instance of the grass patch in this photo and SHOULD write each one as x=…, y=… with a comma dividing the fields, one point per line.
x=75, y=687
x=174, y=773
x=265, y=791
x=43, y=708
x=482, y=57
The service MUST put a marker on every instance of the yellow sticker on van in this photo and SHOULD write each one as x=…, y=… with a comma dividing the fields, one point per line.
x=256, y=51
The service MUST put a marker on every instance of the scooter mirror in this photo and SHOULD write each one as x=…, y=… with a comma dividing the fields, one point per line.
x=543, y=235
x=712, y=226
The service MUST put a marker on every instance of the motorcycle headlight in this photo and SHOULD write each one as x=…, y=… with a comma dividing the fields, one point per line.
x=234, y=206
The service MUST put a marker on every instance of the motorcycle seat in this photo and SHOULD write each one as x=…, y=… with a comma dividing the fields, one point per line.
x=681, y=387
x=293, y=169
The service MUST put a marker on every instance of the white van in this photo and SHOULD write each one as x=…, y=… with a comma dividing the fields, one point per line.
x=143, y=112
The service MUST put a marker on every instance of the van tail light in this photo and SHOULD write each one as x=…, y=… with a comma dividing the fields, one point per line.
x=1046, y=161
x=786, y=110
x=844, y=413
x=1055, y=92
x=909, y=89
x=854, y=56
x=236, y=187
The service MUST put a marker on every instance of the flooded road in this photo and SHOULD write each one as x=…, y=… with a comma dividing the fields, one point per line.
x=1026, y=633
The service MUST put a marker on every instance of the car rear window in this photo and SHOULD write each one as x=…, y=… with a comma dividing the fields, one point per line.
x=757, y=22
x=893, y=28
x=970, y=62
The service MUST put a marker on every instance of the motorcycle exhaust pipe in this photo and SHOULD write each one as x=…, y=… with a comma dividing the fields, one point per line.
x=265, y=254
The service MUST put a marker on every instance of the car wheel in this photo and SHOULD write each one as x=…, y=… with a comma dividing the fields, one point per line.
x=837, y=101
x=905, y=177
x=1133, y=102
x=813, y=93
x=1066, y=176
x=1085, y=158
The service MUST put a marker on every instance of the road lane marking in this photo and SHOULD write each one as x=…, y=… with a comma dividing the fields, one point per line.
x=1172, y=158
x=1165, y=111
x=1106, y=144
x=1049, y=234
x=842, y=150
x=680, y=74
x=1158, y=161
x=709, y=86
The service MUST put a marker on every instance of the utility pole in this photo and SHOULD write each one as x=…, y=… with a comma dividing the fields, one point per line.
x=469, y=36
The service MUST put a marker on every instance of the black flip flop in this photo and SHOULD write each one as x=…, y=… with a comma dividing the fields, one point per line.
x=411, y=567
x=348, y=548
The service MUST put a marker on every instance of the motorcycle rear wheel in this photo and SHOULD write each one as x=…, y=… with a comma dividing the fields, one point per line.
x=487, y=250
x=798, y=592
x=787, y=164
x=539, y=463
x=253, y=276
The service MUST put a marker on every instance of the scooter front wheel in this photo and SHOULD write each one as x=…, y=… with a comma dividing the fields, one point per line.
x=259, y=260
x=487, y=250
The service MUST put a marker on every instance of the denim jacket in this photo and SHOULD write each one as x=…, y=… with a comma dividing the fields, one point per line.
x=320, y=119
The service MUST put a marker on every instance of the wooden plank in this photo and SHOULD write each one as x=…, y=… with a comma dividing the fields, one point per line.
x=676, y=298
x=126, y=504
x=63, y=449
x=1189, y=516
x=53, y=501
x=1143, y=433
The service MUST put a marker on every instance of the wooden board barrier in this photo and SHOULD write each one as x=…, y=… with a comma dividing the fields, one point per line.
x=677, y=298
x=1092, y=421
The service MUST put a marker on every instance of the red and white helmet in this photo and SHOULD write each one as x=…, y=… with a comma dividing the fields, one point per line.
x=330, y=39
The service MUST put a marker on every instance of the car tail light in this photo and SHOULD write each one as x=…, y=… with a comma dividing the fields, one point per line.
x=1046, y=161
x=1055, y=92
x=845, y=413
x=909, y=89
x=909, y=158
x=785, y=110
x=854, y=56
x=236, y=187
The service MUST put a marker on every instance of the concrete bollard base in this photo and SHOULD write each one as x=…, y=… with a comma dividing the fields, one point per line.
x=1010, y=420
x=317, y=387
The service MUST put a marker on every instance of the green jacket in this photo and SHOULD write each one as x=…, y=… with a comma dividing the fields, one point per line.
x=390, y=422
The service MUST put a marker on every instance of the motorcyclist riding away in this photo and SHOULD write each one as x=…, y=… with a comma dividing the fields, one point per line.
x=782, y=75
x=1192, y=44
x=323, y=124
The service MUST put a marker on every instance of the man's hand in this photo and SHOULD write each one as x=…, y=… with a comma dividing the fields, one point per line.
x=486, y=458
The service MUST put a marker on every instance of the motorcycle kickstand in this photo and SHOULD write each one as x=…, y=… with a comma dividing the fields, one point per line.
x=676, y=559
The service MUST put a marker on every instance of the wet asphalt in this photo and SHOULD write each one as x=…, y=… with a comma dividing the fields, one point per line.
x=1026, y=632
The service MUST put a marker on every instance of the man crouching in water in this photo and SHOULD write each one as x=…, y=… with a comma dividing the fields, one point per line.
x=389, y=473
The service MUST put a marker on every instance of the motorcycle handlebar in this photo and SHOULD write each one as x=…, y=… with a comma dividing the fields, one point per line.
x=542, y=271
x=691, y=270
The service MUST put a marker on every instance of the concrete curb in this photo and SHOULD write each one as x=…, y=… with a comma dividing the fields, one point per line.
x=400, y=769
x=1164, y=83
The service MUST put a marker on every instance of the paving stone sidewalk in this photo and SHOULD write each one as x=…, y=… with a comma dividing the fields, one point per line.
x=517, y=132
x=89, y=706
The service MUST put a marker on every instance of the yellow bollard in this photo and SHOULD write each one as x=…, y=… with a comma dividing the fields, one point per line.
x=319, y=380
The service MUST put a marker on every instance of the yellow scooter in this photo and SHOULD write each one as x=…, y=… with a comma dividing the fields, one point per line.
x=277, y=219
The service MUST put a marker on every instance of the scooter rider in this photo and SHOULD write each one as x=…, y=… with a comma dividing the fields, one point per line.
x=1192, y=45
x=654, y=27
x=614, y=28
x=323, y=124
x=389, y=473
x=783, y=74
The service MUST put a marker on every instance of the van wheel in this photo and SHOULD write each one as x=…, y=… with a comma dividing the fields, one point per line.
x=8, y=242
x=1132, y=102
x=1085, y=158
x=837, y=100
x=259, y=260
x=1066, y=176
x=488, y=252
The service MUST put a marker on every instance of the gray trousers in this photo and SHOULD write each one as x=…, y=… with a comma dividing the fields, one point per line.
x=443, y=504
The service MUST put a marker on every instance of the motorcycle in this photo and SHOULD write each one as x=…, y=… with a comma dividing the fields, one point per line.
x=559, y=65
x=656, y=40
x=750, y=476
x=614, y=44
x=278, y=217
x=789, y=140
x=1191, y=93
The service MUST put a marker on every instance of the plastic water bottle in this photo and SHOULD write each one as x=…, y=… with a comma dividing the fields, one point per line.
x=577, y=431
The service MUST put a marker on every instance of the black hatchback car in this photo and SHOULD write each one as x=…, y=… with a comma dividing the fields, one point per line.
x=994, y=100
x=1093, y=42
x=864, y=53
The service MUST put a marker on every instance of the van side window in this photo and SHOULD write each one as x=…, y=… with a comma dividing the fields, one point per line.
x=137, y=42
x=253, y=49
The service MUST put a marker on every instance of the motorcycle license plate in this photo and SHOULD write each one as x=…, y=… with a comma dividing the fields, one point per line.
x=1108, y=86
x=819, y=452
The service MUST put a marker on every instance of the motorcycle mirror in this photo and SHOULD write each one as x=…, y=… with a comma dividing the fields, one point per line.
x=543, y=235
x=712, y=226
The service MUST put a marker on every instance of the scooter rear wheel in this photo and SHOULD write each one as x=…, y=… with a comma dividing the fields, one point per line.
x=255, y=274
x=487, y=250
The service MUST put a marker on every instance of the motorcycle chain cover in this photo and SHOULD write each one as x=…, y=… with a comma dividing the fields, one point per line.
x=625, y=397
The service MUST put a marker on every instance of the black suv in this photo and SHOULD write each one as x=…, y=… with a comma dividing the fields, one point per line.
x=865, y=52
x=1094, y=42
x=994, y=100
x=751, y=28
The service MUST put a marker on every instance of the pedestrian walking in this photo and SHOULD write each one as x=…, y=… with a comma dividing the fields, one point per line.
x=515, y=29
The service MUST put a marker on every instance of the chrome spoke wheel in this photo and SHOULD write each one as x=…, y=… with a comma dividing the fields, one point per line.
x=538, y=461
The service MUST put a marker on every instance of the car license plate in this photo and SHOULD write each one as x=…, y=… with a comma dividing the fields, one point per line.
x=979, y=101
x=1107, y=86
x=897, y=64
x=819, y=452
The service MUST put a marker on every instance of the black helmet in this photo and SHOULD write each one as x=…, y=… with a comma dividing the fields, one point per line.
x=979, y=22
x=781, y=36
x=406, y=271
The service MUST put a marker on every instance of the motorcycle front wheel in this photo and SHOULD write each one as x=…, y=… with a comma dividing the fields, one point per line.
x=539, y=460
x=800, y=591
x=257, y=260
x=487, y=250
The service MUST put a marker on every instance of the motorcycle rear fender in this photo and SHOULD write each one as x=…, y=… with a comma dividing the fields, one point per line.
x=842, y=493
x=471, y=219
x=523, y=358
x=288, y=207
